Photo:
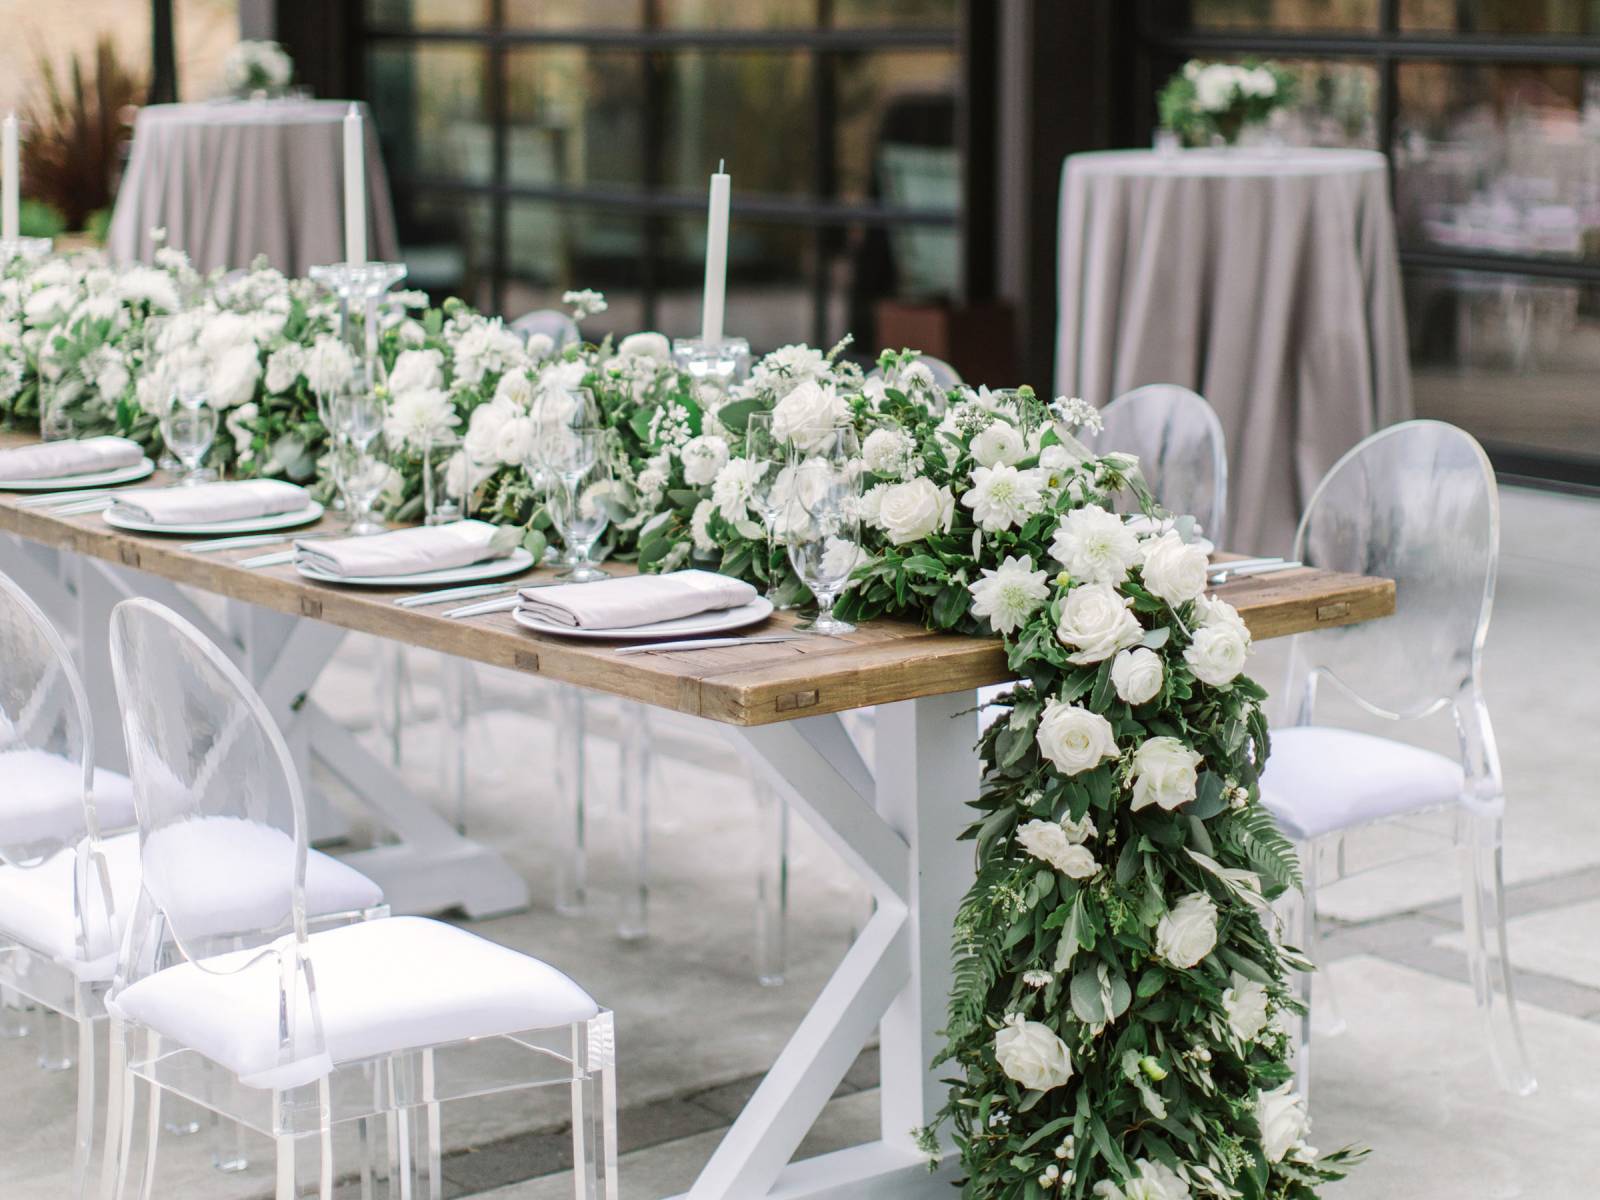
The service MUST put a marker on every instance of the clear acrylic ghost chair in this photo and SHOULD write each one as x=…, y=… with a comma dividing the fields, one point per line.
x=1415, y=503
x=1183, y=453
x=223, y=996
x=554, y=324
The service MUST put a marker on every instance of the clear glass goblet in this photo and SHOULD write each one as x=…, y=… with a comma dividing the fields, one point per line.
x=820, y=518
x=581, y=465
x=188, y=427
x=360, y=473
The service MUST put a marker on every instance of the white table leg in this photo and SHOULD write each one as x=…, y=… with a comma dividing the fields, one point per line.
x=897, y=827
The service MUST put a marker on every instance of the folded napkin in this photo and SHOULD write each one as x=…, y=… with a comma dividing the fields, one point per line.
x=62, y=460
x=635, y=600
x=207, y=503
x=404, y=551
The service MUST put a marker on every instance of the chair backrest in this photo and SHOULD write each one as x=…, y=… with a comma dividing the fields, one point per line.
x=1415, y=503
x=556, y=325
x=45, y=737
x=221, y=816
x=1182, y=452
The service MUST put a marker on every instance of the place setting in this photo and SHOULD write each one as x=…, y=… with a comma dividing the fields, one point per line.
x=71, y=468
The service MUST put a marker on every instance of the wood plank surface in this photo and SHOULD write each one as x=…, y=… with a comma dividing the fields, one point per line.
x=882, y=662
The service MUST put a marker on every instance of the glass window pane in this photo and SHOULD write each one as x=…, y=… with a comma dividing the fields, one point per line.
x=751, y=109
x=895, y=135
x=574, y=14
x=574, y=117
x=1501, y=16
x=914, y=14
x=1286, y=15
x=738, y=14
x=447, y=244
x=1499, y=159
x=770, y=268
x=429, y=14
x=1512, y=360
x=552, y=248
x=430, y=108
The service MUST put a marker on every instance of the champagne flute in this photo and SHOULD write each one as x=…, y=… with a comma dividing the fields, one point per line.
x=820, y=515
x=767, y=456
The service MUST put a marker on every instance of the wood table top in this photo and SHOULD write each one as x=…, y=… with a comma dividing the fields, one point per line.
x=882, y=662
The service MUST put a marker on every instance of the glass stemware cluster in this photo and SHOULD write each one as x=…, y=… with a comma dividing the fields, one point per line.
x=568, y=462
x=353, y=414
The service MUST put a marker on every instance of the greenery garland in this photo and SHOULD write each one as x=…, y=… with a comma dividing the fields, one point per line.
x=1117, y=1015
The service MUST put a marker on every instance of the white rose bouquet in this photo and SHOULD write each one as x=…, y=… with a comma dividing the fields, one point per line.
x=257, y=68
x=1208, y=99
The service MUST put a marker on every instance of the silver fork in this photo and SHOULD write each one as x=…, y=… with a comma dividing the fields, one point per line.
x=50, y=499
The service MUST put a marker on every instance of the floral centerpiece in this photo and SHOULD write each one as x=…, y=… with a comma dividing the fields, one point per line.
x=1209, y=101
x=257, y=68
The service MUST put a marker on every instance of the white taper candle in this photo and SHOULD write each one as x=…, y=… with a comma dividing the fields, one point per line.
x=10, y=222
x=355, y=187
x=716, y=258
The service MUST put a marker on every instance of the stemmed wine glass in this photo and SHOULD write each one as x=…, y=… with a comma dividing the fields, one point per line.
x=360, y=470
x=767, y=456
x=555, y=411
x=579, y=461
x=820, y=516
x=188, y=427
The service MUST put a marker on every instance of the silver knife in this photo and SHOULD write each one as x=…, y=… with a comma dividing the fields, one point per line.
x=48, y=499
x=458, y=593
x=267, y=560
x=238, y=543
x=87, y=506
x=711, y=643
x=1228, y=573
x=503, y=604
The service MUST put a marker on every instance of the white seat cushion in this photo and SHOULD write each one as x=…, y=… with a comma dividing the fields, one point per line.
x=1320, y=779
x=41, y=798
x=383, y=986
x=36, y=903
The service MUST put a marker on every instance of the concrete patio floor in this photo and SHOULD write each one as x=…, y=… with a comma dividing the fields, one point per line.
x=1410, y=1078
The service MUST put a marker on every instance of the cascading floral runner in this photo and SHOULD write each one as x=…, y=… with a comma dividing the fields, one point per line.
x=1118, y=1021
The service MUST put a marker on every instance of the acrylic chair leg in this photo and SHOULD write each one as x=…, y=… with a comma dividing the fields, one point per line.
x=1483, y=915
x=55, y=1034
x=228, y=1151
x=584, y=1169
x=1327, y=1019
x=456, y=690
x=601, y=1060
x=772, y=885
x=573, y=873
x=1292, y=911
x=13, y=1016
x=432, y=1128
x=117, y=1101
x=83, y=1148
x=633, y=796
x=392, y=683
x=152, y=1135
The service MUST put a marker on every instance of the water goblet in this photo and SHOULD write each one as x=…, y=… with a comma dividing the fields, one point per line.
x=440, y=503
x=358, y=412
x=580, y=464
x=188, y=427
x=820, y=516
x=360, y=473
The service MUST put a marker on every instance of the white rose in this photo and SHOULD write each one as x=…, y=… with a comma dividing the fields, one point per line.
x=1137, y=675
x=328, y=364
x=1097, y=621
x=1212, y=610
x=416, y=370
x=1094, y=545
x=808, y=413
x=840, y=558
x=1051, y=843
x=1032, y=1054
x=703, y=459
x=911, y=511
x=1283, y=1121
x=1187, y=934
x=1217, y=654
x=1165, y=772
x=1245, y=1003
x=513, y=444
x=1074, y=739
x=233, y=377
x=999, y=443
x=1174, y=571
x=646, y=345
x=284, y=366
x=224, y=332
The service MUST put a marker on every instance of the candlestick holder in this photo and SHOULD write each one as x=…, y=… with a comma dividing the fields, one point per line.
x=30, y=248
x=362, y=284
x=720, y=364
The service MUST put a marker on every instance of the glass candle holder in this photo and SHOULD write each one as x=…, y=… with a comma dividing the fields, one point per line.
x=720, y=364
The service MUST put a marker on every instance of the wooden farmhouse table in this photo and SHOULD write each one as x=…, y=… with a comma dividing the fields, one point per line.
x=895, y=820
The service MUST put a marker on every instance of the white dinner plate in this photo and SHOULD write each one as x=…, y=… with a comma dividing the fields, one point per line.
x=720, y=621
x=63, y=483
x=517, y=561
x=288, y=520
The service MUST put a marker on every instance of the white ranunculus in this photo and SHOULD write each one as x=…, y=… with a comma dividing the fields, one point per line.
x=539, y=346
x=416, y=370
x=1217, y=654
x=1074, y=739
x=1137, y=675
x=1049, y=842
x=224, y=332
x=1245, y=1002
x=731, y=490
x=284, y=366
x=911, y=511
x=1165, y=772
x=1002, y=497
x=999, y=443
x=1213, y=611
x=462, y=476
x=513, y=444
x=1009, y=594
x=703, y=459
x=1032, y=1054
x=887, y=452
x=515, y=388
x=328, y=364
x=232, y=379
x=840, y=557
x=1174, y=570
x=646, y=345
x=418, y=416
x=1283, y=1121
x=1094, y=545
x=1187, y=933
x=807, y=415
x=1096, y=622
x=483, y=430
